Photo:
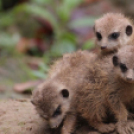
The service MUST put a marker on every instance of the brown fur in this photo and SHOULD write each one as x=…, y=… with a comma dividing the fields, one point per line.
x=98, y=89
x=77, y=73
x=110, y=89
x=69, y=60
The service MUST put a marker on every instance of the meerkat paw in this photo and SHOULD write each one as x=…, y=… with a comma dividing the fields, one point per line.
x=65, y=131
x=125, y=127
x=106, y=128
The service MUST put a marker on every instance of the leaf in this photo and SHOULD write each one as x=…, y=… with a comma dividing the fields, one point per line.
x=39, y=74
x=69, y=36
x=88, y=45
x=82, y=22
x=65, y=8
x=62, y=47
x=6, y=19
x=42, y=2
x=7, y=40
x=39, y=11
x=71, y=4
x=43, y=67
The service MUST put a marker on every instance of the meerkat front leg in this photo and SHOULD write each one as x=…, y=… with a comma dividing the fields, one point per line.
x=123, y=125
x=69, y=124
x=102, y=127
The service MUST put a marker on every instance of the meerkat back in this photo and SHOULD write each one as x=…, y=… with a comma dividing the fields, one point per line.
x=71, y=60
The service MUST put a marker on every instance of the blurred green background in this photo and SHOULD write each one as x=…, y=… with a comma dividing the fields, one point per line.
x=34, y=33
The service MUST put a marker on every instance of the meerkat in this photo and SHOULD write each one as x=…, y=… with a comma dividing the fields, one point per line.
x=57, y=93
x=113, y=89
x=68, y=60
x=112, y=31
x=99, y=89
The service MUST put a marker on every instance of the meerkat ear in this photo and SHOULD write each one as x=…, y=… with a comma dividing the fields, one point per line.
x=115, y=60
x=129, y=30
x=65, y=93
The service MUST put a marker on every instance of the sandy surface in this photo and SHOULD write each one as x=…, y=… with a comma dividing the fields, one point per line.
x=20, y=117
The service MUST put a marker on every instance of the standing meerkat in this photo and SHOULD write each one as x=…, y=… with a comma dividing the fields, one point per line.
x=112, y=31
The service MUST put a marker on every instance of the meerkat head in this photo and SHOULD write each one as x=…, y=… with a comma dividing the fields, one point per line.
x=51, y=100
x=112, y=31
x=123, y=62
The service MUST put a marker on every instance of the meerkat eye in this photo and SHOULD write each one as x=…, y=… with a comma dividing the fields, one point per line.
x=98, y=35
x=114, y=35
x=65, y=93
x=57, y=111
x=123, y=67
x=129, y=30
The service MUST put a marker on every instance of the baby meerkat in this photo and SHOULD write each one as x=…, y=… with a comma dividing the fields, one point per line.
x=89, y=92
x=54, y=99
x=70, y=60
x=112, y=31
x=113, y=89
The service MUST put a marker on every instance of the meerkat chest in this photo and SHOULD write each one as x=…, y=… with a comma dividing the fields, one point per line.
x=127, y=95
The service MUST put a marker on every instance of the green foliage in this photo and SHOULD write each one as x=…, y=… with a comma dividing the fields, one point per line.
x=8, y=42
x=82, y=22
x=62, y=47
x=58, y=13
x=88, y=45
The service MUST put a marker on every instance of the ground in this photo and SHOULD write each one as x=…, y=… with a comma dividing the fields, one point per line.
x=20, y=117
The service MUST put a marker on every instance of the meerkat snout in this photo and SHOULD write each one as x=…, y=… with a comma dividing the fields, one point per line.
x=103, y=47
x=129, y=75
x=129, y=79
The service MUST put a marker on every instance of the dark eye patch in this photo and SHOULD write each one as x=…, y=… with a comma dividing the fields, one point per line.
x=115, y=60
x=98, y=35
x=114, y=35
x=57, y=111
x=123, y=67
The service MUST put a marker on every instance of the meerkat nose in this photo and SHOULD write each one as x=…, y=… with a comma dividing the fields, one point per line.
x=129, y=79
x=103, y=47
